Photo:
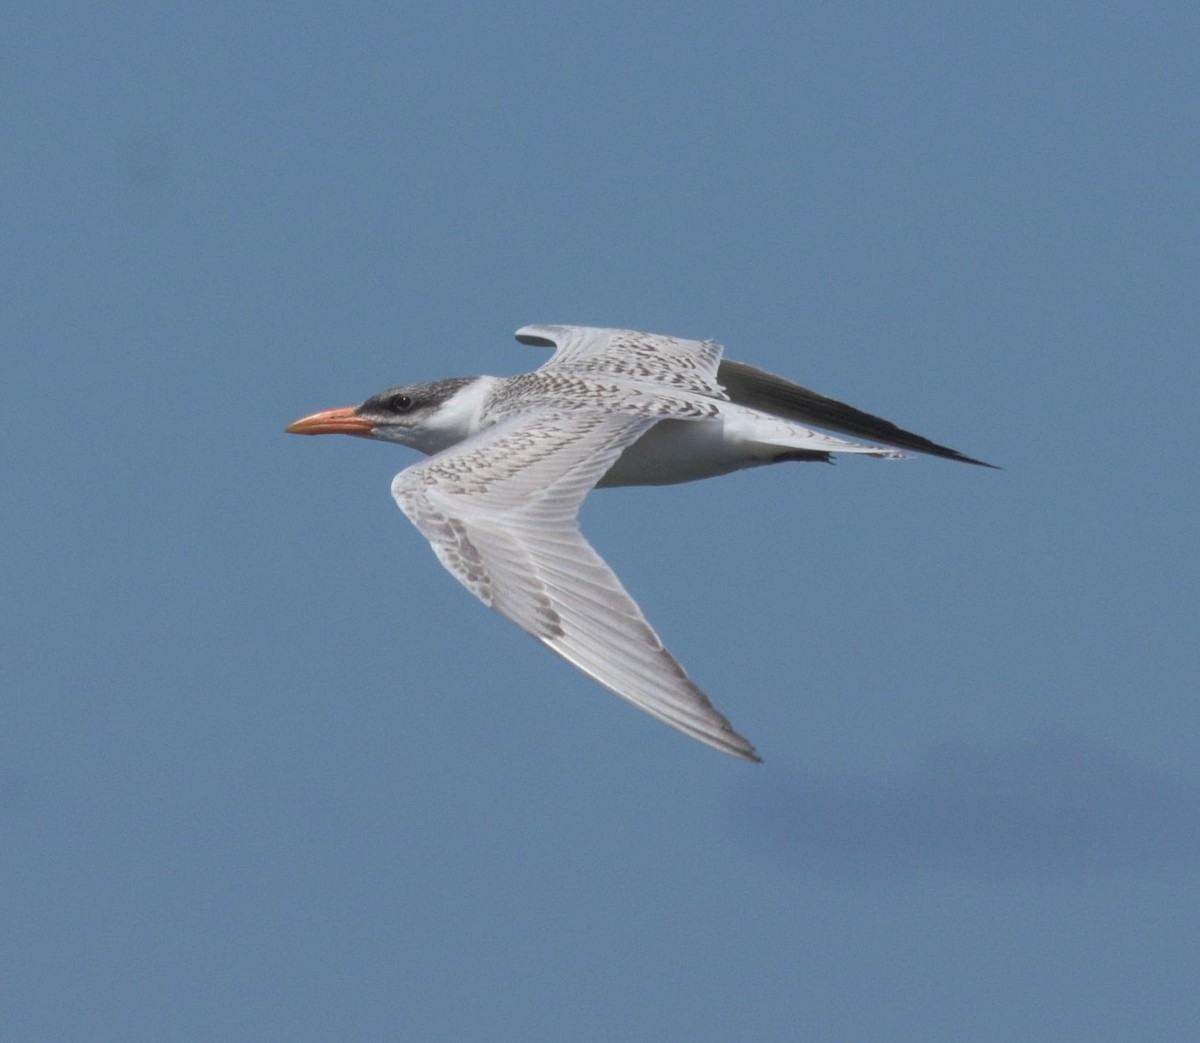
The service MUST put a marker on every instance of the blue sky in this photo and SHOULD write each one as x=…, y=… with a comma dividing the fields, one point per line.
x=266, y=772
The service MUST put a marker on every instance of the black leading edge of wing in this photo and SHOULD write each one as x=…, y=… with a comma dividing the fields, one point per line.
x=758, y=389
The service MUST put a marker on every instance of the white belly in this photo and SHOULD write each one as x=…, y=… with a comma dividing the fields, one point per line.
x=675, y=451
x=687, y=450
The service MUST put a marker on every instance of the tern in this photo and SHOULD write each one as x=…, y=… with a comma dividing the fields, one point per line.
x=511, y=460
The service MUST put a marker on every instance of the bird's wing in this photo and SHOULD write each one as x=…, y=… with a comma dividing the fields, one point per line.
x=758, y=389
x=648, y=358
x=501, y=511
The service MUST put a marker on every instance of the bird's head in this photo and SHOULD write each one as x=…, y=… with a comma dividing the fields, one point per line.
x=422, y=416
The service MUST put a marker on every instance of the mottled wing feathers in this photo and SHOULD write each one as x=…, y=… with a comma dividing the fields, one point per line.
x=697, y=366
x=672, y=362
x=500, y=510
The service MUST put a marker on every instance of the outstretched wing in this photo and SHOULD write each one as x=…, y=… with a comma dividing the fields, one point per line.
x=758, y=389
x=501, y=511
x=670, y=362
x=697, y=366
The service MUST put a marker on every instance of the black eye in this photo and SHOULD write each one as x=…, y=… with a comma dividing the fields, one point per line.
x=399, y=403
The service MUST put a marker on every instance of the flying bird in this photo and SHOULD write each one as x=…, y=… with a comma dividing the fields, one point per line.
x=512, y=458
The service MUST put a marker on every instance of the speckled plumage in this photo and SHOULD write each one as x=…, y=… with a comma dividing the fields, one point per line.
x=514, y=457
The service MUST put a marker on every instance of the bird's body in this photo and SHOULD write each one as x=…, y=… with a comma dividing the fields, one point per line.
x=512, y=459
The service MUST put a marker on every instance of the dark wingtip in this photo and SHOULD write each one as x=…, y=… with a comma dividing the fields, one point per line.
x=762, y=390
x=954, y=454
x=534, y=341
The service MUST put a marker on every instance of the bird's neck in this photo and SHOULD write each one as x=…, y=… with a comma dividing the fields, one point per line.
x=459, y=417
